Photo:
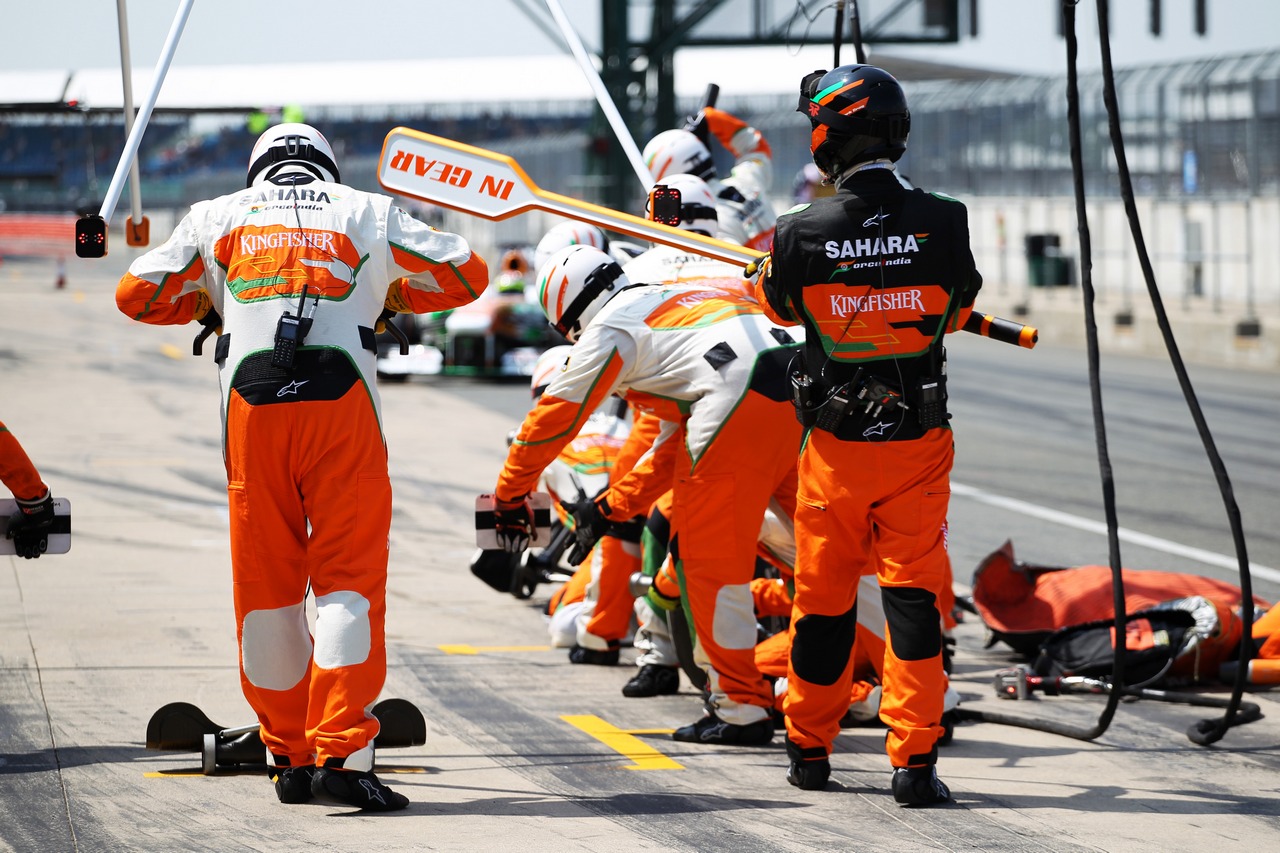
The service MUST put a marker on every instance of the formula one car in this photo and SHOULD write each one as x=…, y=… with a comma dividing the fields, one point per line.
x=501, y=334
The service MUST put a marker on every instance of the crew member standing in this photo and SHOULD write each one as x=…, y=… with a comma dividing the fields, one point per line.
x=298, y=269
x=877, y=274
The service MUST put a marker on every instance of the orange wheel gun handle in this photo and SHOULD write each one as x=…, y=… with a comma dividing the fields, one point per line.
x=999, y=329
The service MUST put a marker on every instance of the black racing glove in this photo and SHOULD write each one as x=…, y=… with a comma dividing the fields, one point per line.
x=209, y=319
x=589, y=524
x=513, y=524
x=29, y=527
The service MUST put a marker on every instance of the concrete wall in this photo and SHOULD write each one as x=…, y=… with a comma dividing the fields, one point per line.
x=1216, y=268
x=1220, y=253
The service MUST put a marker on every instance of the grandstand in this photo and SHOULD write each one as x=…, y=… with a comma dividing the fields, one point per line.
x=1203, y=142
x=974, y=132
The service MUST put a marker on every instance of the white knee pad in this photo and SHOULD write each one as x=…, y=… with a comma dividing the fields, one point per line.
x=275, y=646
x=734, y=623
x=563, y=625
x=343, y=634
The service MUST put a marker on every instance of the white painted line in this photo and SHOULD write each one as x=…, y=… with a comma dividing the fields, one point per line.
x=1131, y=536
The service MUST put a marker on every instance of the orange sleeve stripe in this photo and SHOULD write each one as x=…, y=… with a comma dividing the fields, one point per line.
x=552, y=424
x=762, y=297
x=724, y=125
x=472, y=275
x=411, y=261
x=635, y=492
x=16, y=469
x=160, y=304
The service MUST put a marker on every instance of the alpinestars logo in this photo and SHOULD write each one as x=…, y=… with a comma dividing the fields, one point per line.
x=877, y=429
x=292, y=387
x=875, y=220
x=371, y=792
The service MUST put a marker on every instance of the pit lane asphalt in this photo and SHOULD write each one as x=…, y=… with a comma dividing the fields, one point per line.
x=523, y=749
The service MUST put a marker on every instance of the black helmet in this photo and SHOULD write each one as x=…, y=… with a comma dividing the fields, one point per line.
x=858, y=113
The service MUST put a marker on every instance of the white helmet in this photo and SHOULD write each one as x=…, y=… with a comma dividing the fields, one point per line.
x=697, y=204
x=673, y=152
x=568, y=234
x=574, y=284
x=291, y=144
x=548, y=366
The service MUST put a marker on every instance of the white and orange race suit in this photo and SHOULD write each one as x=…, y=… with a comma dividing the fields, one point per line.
x=672, y=265
x=712, y=367
x=307, y=480
x=742, y=199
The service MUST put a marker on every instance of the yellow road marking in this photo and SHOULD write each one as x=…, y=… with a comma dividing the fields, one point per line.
x=463, y=649
x=625, y=742
x=172, y=352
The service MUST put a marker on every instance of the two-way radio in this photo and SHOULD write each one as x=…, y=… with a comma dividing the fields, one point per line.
x=291, y=332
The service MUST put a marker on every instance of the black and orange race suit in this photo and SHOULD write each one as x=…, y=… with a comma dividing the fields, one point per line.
x=877, y=274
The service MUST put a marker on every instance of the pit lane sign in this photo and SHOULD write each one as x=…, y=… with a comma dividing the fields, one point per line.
x=493, y=186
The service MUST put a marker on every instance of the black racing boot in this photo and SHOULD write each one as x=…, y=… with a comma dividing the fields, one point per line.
x=810, y=768
x=293, y=784
x=360, y=788
x=608, y=657
x=712, y=729
x=653, y=680
x=919, y=786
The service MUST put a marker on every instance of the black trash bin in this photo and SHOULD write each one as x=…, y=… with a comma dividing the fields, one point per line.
x=1046, y=265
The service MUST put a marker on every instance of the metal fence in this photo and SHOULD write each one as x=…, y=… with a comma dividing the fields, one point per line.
x=1205, y=128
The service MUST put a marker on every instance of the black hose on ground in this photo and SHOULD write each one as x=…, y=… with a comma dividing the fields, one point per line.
x=1205, y=731
x=1099, y=421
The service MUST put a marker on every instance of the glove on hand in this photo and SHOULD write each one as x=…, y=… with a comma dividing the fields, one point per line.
x=514, y=524
x=29, y=527
x=397, y=302
x=205, y=314
x=590, y=523
x=380, y=325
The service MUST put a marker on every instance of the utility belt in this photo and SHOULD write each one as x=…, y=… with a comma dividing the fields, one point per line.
x=318, y=374
x=630, y=530
x=867, y=397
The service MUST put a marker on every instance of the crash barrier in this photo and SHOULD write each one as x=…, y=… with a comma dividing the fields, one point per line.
x=44, y=235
